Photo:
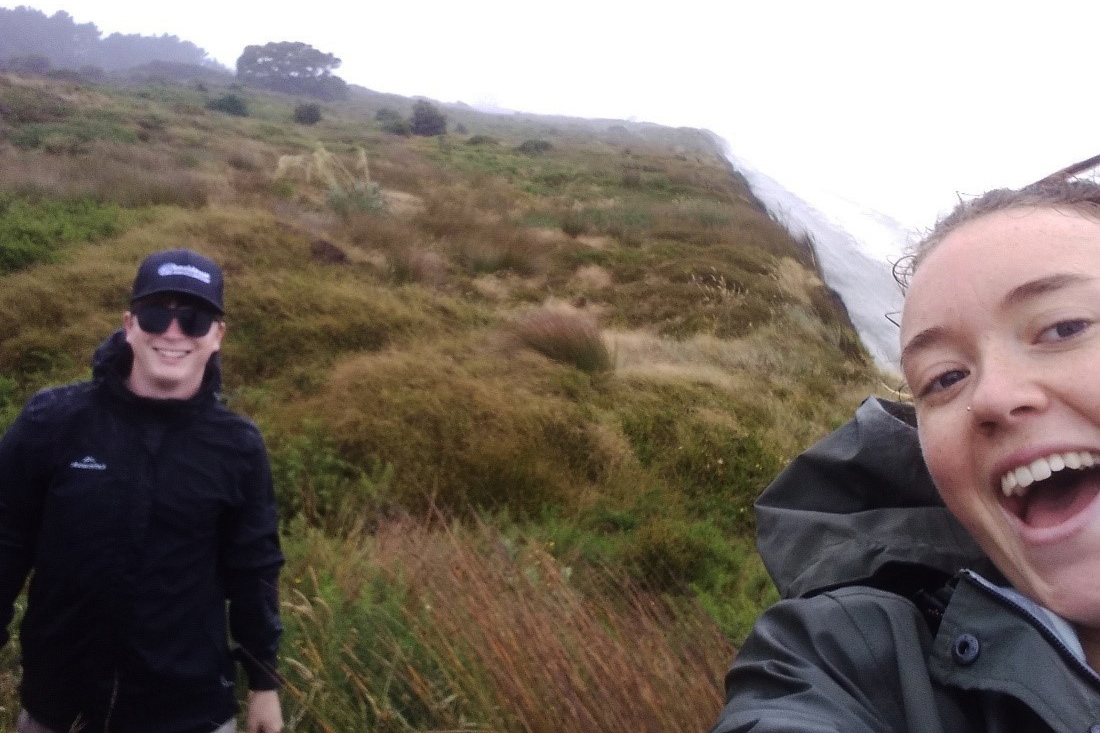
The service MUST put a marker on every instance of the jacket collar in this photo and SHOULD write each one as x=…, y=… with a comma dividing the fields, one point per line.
x=993, y=639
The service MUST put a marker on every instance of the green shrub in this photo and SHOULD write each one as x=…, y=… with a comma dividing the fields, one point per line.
x=482, y=140
x=427, y=120
x=32, y=231
x=464, y=436
x=671, y=555
x=695, y=440
x=314, y=482
x=70, y=137
x=22, y=106
x=534, y=147
x=398, y=126
x=307, y=114
x=364, y=197
x=230, y=104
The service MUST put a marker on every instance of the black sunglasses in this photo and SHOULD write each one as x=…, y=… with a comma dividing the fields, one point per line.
x=155, y=319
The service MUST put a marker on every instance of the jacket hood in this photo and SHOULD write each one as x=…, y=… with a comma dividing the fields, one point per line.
x=858, y=506
x=114, y=356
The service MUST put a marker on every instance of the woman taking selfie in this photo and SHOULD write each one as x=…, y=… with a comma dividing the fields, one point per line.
x=940, y=561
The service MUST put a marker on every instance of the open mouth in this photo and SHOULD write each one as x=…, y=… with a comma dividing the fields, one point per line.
x=1050, y=491
x=173, y=353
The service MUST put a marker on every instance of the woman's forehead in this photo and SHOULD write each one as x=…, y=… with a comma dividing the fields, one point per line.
x=1029, y=234
x=984, y=261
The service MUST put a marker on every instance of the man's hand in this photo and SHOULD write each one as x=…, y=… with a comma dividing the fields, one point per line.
x=264, y=713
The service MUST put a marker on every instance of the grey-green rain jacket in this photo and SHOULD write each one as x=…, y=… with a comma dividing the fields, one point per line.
x=892, y=618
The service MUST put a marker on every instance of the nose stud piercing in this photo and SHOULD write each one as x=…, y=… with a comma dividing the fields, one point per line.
x=969, y=408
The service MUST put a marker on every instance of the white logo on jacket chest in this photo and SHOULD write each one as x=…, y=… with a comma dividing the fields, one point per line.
x=89, y=464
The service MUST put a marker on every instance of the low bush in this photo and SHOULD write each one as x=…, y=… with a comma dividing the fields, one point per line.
x=9, y=403
x=705, y=444
x=534, y=147
x=314, y=483
x=482, y=140
x=21, y=105
x=31, y=231
x=465, y=432
x=398, y=126
x=307, y=114
x=230, y=104
x=427, y=120
x=670, y=555
x=72, y=137
x=318, y=323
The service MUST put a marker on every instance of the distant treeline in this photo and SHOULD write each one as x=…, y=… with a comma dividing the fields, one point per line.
x=32, y=41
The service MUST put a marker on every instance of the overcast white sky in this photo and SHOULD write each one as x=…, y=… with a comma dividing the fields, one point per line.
x=896, y=106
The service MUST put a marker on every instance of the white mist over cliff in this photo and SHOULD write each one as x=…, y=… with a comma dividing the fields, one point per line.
x=855, y=249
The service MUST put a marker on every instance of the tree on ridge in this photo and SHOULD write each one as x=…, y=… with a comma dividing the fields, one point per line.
x=292, y=67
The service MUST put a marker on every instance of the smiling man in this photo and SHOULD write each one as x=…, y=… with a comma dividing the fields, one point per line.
x=146, y=511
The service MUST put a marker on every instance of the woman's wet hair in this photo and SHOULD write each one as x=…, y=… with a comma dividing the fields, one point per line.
x=1078, y=195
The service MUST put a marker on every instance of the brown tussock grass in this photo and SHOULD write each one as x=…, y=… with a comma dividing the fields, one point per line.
x=566, y=335
x=595, y=241
x=524, y=643
x=593, y=276
x=402, y=204
x=492, y=287
x=403, y=169
x=780, y=368
x=795, y=280
x=420, y=265
x=111, y=172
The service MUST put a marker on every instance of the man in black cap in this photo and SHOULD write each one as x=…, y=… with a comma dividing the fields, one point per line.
x=145, y=508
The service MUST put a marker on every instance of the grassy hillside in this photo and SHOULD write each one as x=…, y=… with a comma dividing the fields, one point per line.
x=520, y=383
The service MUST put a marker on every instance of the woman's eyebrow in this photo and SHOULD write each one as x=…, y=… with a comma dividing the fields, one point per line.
x=1019, y=294
x=925, y=338
x=1043, y=285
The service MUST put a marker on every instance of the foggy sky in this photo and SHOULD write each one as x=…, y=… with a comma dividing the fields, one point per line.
x=899, y=107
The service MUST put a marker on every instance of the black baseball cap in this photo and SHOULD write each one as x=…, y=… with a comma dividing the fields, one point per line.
x=180, y=271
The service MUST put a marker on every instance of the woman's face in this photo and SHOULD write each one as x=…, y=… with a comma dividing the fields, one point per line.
x=1001, y=347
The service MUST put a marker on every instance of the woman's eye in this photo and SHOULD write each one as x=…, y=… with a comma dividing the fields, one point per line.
x=1064, y=330
x=943, y=381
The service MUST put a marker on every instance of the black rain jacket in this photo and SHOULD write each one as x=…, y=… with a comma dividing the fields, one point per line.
x=892, y=619
x=140, y=519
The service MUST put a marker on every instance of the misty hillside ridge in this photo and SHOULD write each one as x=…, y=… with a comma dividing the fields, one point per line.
x=521, y=378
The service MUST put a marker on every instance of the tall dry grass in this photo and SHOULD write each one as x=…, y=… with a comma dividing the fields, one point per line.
x=108, y=172
x=566, y=335
x=491, y=633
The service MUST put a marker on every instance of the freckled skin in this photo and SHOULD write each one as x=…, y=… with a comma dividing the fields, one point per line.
x=1003, y=317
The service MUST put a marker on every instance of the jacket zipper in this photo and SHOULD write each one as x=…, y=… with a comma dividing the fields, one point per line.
x=111, y=704
x=1045, y=631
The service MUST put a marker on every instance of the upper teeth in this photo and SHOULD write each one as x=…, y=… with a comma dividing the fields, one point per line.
x=171, y=352
x=1017, y=480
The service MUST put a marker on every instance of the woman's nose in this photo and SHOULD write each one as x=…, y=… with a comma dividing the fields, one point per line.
x=1004, y=390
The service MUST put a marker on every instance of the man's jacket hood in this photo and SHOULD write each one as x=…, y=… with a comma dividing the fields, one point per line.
x=859, y=506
